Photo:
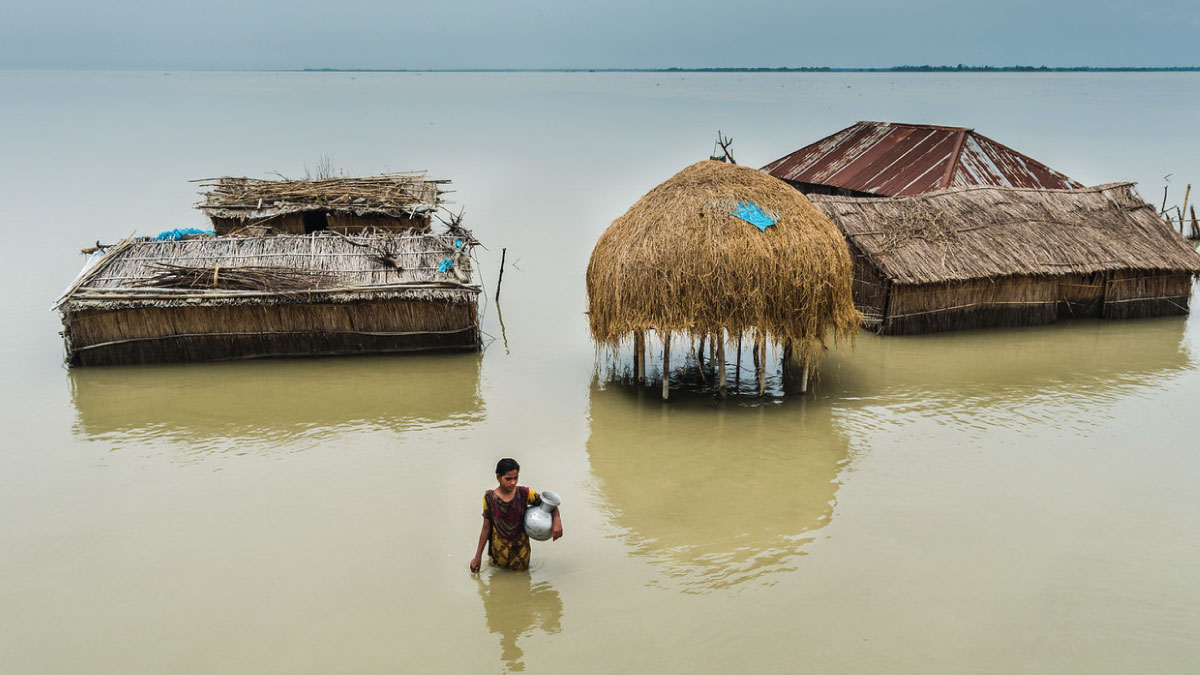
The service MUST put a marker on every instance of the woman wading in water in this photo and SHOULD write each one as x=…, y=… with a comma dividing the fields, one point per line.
x=504, y=520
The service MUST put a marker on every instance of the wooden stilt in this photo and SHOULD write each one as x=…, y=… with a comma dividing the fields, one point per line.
x=721, y=364
x=804, y=378
x=762, y=363
x=700, y=355
x=787, y=369
x=737, y=366
x=639, y=356
x=666, y=383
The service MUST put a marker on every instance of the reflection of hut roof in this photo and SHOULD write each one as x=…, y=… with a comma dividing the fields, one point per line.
x=322, y=267
x=678, y=260
x=890, y=159
x=987, y=232
x=397, y=195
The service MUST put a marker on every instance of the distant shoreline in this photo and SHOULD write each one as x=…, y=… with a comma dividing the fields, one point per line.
x=803, y=69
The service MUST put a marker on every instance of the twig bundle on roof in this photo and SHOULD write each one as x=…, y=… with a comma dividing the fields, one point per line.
x=396, y=195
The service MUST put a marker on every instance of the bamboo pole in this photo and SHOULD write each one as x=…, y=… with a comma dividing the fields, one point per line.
x=1195, y=224
x=666, y=379
x=700, y=355
x=721, y=364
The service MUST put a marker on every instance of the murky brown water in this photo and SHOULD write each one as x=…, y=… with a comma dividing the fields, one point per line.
x=992, y=501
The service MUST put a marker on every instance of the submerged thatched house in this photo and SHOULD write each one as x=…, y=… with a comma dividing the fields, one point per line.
x=996, y=256
x=218, y=298
x=721, y=252
x=390, y=202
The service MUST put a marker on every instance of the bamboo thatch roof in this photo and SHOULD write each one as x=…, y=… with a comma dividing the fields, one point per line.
x=399, y=195
x=679, y=260
x=984, y=232
x=268, y=270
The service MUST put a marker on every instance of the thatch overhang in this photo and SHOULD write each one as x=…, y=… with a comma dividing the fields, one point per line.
x=985, y=232
x=394, y=195
x=679, y=261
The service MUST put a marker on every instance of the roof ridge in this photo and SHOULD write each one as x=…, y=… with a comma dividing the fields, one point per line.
x=915, y=125
x=955, y=155
x=968, y=188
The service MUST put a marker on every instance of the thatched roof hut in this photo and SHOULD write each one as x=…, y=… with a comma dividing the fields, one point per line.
x=682, y=261
x=222, y=298
x=389, y=202
x=982, y=256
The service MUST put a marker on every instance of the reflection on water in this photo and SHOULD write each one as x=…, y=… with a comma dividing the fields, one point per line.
x=266, y=402
x=1061, y=374
x=717, y=496
x=515, y=606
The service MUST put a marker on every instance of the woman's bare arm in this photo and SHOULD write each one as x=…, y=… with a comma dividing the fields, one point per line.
x=477, y=561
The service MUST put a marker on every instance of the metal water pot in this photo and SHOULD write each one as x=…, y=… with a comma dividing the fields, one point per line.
x=538, y=521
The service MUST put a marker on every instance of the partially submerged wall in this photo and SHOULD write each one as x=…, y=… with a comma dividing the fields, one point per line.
x=218, y=333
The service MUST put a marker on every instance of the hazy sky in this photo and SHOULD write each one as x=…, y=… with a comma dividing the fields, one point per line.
x=250, y=34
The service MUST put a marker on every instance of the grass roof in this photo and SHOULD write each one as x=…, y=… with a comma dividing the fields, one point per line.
x=319, y=267
x=985, y=232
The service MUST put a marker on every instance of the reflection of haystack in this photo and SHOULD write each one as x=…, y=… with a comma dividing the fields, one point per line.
x=680, y=262
x=715, y=500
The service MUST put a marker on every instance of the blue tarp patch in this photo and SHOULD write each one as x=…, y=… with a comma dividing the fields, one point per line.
x=180, y=233
x=445, y=265
x=751, y=213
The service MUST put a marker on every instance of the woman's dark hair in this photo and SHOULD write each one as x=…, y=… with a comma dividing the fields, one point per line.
x=505, y=465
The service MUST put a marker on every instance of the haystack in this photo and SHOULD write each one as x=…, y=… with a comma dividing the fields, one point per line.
x=681, y=262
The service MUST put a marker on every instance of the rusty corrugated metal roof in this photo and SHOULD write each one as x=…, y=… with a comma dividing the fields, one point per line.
x=898, y=160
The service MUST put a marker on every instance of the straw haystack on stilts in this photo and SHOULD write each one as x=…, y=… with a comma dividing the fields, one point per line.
x=688, y=260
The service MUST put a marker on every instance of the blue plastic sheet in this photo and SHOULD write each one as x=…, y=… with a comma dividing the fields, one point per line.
x=180, y=233
x=751, y=213
x=445, y=265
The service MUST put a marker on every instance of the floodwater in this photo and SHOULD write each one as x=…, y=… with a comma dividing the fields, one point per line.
x=988, y=502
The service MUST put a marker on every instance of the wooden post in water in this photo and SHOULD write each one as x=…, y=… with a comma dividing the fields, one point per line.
x=721, y=363
x=666, y=365
x=761, y=347
x=700, y=355
x=737, y=366
x=503, y=253
x=1195, y=224
x=639, y=356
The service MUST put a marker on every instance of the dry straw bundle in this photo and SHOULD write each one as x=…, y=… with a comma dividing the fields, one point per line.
x=680, y=261
x=384, y=192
